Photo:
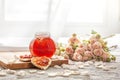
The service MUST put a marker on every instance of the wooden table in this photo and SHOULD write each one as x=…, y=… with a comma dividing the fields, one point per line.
x=95, y=74
x=10, y=60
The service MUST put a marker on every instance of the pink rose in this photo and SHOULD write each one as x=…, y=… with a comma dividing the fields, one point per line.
x=105, y=56
x=77, y=57
x=80, y=51
x=96, y=45
x=81, y=45
x=88, y=54
x=73, y=40
x=85, y=58
x=69, y=50
x=89, y=47
x=93, y=40
x=98, y=52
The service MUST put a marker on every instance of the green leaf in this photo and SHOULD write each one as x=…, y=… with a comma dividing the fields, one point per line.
x=113, y=58
x=85, y=42
x=74, y=46
x=93, y=32
x=106, y=49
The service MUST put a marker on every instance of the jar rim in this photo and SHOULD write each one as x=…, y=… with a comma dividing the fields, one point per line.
x=42, y=34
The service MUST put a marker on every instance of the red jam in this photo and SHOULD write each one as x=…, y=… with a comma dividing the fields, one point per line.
x=42, y=45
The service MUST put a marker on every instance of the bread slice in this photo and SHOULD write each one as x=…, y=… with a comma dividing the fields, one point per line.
x=25, y=59
x=41, y=62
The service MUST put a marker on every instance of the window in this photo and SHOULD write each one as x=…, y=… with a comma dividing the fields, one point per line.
x=87, y=11
x=26, y=10
x=22, y=18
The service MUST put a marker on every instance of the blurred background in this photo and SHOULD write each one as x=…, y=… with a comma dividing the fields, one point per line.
x=21, y=19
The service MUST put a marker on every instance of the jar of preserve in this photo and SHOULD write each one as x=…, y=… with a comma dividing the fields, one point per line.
x=42, y=45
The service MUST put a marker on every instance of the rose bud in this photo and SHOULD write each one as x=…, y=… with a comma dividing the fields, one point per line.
x=66, y=56
x=97, y=45
x=88, y=54
x=69, y=50
x=77, y=57
x=92, y=40
x=98, y=52
x=89, y=47
x=85, y=47
x=85, y=58
x=105, y=56
x=80, y=45
x=80, y=51
x=97, y=36
x=74, y=39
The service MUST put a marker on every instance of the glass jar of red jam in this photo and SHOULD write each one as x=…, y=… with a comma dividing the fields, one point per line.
x=42, y=45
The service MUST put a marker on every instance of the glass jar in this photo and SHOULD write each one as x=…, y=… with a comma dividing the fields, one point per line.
x=42, y=45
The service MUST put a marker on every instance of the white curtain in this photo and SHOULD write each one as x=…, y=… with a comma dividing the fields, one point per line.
x=66, y=17
x=58, y=24
x=62, y=20
x=58, y=17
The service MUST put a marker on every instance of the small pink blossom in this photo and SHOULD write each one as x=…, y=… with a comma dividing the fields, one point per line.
x=77, y=57
x=88, y=54
x=81, y=45
x=98, y=52
x=105, y=56
x=97, y=45
x=80, y=50
x=89, y=47
x=69, y=50
x=74, y=40
x=93, y=40
x=85, y=58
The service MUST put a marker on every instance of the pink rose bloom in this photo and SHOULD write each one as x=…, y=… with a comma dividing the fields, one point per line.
x=69, y=50
x=81, y=45
x=98, y=52
x=88, y=54
x=80, y=51
x=89, y=47
x=85, y=58
x=66, y=56
x=74, y=40
x=77, y=57
x=105, y=56
x=92, y=40
x=85, y=47
x=96, y=45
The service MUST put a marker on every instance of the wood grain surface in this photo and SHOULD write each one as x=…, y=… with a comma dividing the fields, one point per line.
x=10, y=60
